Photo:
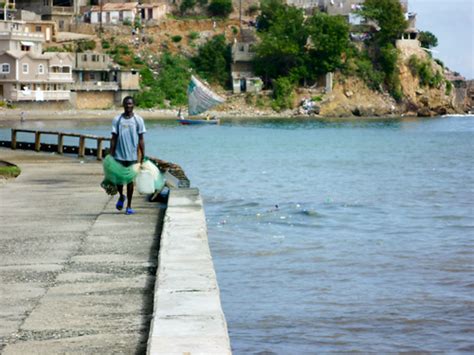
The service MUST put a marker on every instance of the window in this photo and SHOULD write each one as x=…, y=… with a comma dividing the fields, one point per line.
x=41, y=69
x=66, y=69
x=5, y=68
x=38, y=28
x=25, y=48
x=84, y=57
x=26, y=68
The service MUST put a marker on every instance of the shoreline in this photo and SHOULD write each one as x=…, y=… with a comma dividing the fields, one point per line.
x=14, y=115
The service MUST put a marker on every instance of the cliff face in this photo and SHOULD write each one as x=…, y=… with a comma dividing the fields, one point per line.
x=423, y=100
x=352, y=97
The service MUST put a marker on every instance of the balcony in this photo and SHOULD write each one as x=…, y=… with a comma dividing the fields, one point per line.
x=96, y=86
x=38, y=95
x=60, y=77
x=21, y=36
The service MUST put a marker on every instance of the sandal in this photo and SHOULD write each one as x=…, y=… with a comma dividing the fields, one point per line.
x=129, y=211
x=120, y=202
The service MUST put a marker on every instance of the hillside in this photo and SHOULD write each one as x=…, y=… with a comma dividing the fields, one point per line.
x=350, y=95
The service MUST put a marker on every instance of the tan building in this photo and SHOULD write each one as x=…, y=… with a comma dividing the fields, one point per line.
x=99, y=83
x=25, y=73
x=243, y=76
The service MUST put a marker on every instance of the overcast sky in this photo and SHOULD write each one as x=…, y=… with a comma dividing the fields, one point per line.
x=452, y=22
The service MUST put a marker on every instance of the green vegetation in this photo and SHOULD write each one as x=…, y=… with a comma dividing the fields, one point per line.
x=85, y=45
x=425, y=72
x=358, y=63
x=176, y=38
x=449, y=87
x=193, y=35
x=298, y=49
x=213, y=61
x=105, y=44
x=122, y=55
x=9, y=171
x=186, y=5
x=55, y=49
x=220, y=8
x=283, y=94
x=170, y=85
x=427, y=39
x=389, y=17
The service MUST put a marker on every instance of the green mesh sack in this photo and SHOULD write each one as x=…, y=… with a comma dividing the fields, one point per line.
x=117, y=174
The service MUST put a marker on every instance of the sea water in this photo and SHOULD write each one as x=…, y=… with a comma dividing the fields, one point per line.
x=333, y=236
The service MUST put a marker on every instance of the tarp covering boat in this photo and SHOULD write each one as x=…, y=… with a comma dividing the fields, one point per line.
x=201, y=98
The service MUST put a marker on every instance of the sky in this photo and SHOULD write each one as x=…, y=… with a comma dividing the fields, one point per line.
x=452, y=22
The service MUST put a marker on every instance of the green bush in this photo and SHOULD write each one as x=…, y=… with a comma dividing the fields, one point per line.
x=186, y=5
x=193, y=35
x=283, y=94
x=424, y=71
x=87, y=45
x=137, y=23
x=366, y=71
x=55, y=49
x=170, y=84
x=449, y=87
x=105, y=44
x=440, y=62
x=176, y=38
x=220, y=8
x=138, y=60
x=213, y=60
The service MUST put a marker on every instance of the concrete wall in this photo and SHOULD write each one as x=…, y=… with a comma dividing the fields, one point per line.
x=187, y=316
x=94, y=100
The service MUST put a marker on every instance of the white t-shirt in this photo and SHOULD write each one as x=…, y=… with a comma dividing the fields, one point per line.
x=127, y=130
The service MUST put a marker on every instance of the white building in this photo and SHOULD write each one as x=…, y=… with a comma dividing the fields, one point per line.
x=114, y=13
x=27, y=74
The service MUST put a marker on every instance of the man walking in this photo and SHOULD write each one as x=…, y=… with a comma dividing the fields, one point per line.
x=127, y=138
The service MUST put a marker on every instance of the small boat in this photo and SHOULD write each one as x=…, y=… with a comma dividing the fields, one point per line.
x=185, y=121
x=200, y=99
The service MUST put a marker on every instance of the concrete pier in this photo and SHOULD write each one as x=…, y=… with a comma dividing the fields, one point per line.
x=77, y=276
x=188, y=318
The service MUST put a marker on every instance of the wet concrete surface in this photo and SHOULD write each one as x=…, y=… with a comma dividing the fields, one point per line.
x=76, y=276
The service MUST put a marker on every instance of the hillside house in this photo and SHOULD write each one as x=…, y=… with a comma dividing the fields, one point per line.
x=99, y=83
x=114, y=13
x=62, y=12
x=25, y=73
x=243, y=77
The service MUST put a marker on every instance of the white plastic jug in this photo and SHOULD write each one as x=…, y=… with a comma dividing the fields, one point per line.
x=145, y=182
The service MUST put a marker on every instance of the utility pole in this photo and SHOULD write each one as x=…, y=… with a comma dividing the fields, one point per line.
x=100, y=17
x=240, y=15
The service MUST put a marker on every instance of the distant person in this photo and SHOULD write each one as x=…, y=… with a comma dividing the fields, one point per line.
x=127, y=138
x=180, y=115
x=22, y=116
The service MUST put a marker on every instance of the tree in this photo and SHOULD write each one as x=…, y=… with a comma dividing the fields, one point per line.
x=388, y=15
x=427, y=39
x=270, y=10
x=283, y=37
x=298, y=49
x=213, y=60
x=220, y=8
x=328, y=39
x=186, y=5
